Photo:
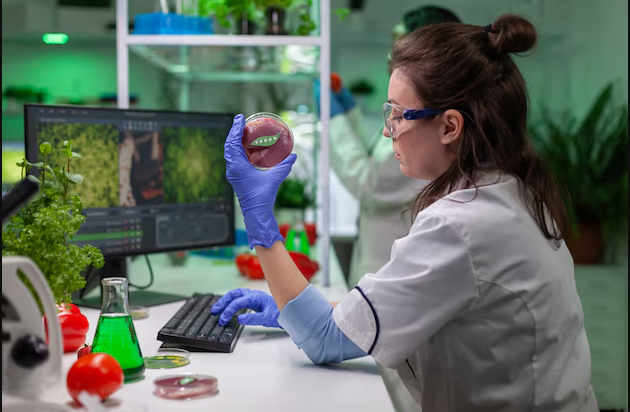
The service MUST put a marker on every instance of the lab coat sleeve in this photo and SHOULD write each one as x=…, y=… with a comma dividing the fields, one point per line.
x=428, y=282
x=308, y=320
x=366, y=166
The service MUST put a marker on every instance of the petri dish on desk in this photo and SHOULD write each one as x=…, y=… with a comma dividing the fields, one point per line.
x=185, y=386
x=167, y=359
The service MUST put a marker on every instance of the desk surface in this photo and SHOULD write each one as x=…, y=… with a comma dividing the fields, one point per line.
x=266, y=371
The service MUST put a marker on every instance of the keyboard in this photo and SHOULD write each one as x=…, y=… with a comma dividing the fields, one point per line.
x=193, y=326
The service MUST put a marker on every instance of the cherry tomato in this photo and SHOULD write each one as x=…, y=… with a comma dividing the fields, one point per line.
x=335, y=82
x=85, y=350
x=98, y=374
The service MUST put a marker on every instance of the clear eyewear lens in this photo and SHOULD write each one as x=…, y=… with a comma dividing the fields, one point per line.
x=387, y=116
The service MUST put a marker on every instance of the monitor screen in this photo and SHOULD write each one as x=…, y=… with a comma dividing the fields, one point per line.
x=154, y=181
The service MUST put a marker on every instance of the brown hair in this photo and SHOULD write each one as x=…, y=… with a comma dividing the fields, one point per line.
x=468, y=68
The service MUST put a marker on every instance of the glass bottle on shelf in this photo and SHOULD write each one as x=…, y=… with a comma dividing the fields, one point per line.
x=115, y=333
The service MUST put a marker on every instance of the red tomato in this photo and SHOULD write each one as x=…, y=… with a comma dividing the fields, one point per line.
x=335, y=82
x=311, y=233
x=68, y=307
x=241, y=262
x=307, y=266
x=284, y=229
x=254, y=270
x=97, y=374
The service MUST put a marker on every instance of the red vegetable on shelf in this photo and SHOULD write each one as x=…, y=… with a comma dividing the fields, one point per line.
x=335, y=82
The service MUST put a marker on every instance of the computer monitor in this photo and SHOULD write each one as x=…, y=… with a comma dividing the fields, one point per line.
x=154, y=181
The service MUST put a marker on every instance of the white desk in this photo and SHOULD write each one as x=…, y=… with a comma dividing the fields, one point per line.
x=266, y=371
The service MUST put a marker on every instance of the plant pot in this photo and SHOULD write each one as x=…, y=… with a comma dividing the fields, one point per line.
x=244, y=26
x=275, y=18
x=587, y=245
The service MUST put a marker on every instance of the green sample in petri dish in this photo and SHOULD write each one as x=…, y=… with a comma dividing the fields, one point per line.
x=115, y=333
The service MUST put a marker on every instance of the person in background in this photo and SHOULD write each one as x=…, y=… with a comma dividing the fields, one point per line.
x=477, y=308
x=365, y=165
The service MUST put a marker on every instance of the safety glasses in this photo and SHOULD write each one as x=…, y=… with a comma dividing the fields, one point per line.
x=393, y=115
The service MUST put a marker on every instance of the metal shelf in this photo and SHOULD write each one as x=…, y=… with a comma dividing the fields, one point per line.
x=124, y=41
x=222, y=40
x=210, y=64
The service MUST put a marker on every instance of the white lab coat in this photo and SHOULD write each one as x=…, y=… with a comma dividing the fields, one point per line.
x=365, y=164
x=476, y=309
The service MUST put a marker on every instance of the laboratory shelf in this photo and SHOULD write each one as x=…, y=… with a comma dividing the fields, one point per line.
x=223, y=40
x=220, y=64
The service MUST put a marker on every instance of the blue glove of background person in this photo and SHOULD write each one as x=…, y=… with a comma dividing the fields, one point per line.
x=256, y=189
x=266, y=310
x=340, y=103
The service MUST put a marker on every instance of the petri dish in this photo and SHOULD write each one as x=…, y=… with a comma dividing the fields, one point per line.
x=138, y=312
x=167, y=359
x=267, y=140
x=185, y=386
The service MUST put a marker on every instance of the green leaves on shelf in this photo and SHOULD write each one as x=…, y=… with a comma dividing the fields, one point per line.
x=266, y=141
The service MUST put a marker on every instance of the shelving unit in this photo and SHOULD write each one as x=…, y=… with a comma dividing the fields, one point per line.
x=125, y=41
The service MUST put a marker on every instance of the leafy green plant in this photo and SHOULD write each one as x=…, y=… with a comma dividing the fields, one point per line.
x=590, y=158
x=43, y=227
x=223, y=9
x=293, y=194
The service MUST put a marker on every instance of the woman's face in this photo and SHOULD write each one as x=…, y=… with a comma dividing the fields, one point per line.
x=425, y=148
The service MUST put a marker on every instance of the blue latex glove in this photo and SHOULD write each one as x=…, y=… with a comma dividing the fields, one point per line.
x=255, y=189
x=266, y=310
x=340, y=103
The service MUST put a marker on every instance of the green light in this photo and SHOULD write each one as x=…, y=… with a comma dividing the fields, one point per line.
x=55, y=38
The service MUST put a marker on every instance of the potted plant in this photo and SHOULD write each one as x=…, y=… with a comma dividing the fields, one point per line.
x=590, y=158
x=362, y=89
x=43, y=228
x=243, y=13
x=275, y=14
x=292, y=201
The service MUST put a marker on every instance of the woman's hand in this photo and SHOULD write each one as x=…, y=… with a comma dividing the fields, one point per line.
x=259, y=301
x=255, y=189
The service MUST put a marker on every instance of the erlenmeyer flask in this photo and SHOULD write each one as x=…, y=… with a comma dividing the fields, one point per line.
x=115, y=334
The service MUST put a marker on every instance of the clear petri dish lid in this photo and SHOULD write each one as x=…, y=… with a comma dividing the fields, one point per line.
x=138, y=312
x=166, y=358
x=185, y=386
x=267, y=140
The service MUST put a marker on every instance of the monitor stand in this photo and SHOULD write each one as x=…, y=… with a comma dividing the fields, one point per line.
x=117, y=267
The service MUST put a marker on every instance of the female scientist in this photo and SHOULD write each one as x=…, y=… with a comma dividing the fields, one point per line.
x=477, y=308
x=366, y=166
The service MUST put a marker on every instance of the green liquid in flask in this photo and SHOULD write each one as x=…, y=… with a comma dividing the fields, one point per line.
x=116, y=336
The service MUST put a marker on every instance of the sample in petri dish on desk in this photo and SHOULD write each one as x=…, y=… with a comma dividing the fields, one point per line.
x=167, y=359
x=267, y=140
x=185, y=386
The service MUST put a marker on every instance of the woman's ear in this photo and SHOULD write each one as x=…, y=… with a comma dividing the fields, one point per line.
x=453, y=126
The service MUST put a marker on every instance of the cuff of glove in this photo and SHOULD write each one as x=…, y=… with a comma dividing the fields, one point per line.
x=263, y=234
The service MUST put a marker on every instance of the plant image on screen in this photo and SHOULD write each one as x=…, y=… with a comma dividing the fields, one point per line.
x=194, y=168
x=98, y=146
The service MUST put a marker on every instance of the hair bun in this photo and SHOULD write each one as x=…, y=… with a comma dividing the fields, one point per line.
x=512, y=34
